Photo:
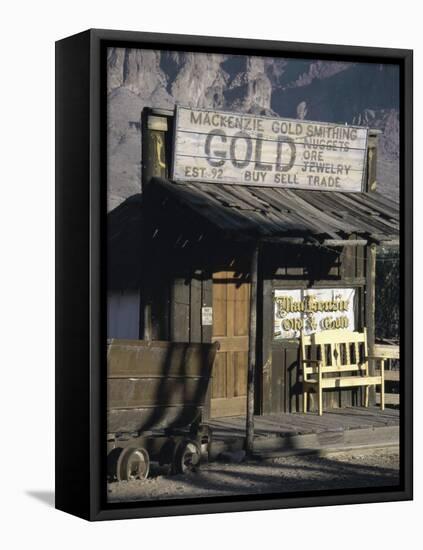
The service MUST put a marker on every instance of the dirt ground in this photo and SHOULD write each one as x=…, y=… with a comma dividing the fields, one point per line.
x=294, y=473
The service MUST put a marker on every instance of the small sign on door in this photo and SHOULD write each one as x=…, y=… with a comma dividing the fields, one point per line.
x=206, y=316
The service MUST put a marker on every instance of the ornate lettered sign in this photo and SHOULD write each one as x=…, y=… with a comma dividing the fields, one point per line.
x=217, y=146
x=313, y=310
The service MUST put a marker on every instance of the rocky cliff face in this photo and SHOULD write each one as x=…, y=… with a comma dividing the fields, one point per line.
x=355, y=93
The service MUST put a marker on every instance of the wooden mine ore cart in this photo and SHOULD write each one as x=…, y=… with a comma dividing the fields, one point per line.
x=156, y=393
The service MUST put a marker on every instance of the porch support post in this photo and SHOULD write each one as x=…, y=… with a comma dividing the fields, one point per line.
x=252, y=351
x=370, y=308
x=147, y=322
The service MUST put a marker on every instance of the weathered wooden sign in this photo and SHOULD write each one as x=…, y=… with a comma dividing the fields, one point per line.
x=217, y=146
x=312, y=310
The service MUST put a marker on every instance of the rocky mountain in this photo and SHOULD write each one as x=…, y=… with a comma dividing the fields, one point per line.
x=355, y=93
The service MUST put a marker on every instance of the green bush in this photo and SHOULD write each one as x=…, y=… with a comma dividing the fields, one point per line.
x=387, y=293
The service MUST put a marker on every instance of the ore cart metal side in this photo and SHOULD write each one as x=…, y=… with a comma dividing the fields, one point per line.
x=156, y=394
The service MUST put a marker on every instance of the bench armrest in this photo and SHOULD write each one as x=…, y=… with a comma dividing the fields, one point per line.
x=317, y=362
x=375, y=357
x=382, y=365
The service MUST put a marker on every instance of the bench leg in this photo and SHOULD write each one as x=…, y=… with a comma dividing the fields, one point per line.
x=382, y=396
x=366, y=396
x=304, y=401
x=320, y=401
x=382, y=385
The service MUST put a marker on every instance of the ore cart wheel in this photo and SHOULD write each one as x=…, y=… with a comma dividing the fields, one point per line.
x=112, y=460
x=133, y=464
x=187, y=457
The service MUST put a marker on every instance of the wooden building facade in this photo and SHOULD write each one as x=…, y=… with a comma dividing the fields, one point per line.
x=180, y=265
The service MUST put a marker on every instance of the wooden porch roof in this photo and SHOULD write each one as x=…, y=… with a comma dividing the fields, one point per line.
x=273, y=213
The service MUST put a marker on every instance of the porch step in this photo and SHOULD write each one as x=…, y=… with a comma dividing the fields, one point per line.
x=329, y=450
x=363, y=449
x=324, y=443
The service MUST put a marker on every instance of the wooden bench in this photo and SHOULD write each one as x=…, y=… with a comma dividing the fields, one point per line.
x=390, y=351
x=338, y=359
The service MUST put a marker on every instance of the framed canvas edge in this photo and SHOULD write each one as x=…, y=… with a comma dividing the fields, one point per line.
x=243, y=505
x=98, y=509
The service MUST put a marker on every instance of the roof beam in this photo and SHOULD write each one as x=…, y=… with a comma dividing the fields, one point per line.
x=344, y=242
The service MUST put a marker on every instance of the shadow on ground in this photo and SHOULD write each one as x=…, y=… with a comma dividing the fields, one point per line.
x=305, y=473
x=46, y=497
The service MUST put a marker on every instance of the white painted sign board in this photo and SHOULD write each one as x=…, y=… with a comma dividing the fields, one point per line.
x=217, y=146
x=207, y=316
x=312, y=310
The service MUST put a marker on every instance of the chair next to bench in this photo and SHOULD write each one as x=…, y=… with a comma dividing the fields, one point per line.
x=338, y=359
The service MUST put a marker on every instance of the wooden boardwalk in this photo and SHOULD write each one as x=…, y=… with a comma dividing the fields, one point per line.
x=296, y=433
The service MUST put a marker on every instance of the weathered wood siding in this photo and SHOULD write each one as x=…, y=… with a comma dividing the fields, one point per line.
x=320, y=268
x=188, y=296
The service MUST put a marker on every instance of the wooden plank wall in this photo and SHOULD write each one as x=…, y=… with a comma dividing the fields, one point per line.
x=265, y=355
x=281, y=376
x=277, y=377
x=188, y=296
x=180, y=311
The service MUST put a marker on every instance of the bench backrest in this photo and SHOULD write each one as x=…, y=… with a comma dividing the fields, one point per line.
x=339, y=351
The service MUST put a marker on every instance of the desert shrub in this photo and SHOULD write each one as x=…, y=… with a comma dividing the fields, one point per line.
x=387, y=309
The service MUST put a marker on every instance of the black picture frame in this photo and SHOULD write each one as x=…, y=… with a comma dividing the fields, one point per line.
x=80, y=273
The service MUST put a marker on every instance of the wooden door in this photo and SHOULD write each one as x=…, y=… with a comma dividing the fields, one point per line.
x=231, y=307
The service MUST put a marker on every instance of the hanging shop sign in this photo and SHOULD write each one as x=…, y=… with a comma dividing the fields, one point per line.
x=312, y=310
x=217, y=146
